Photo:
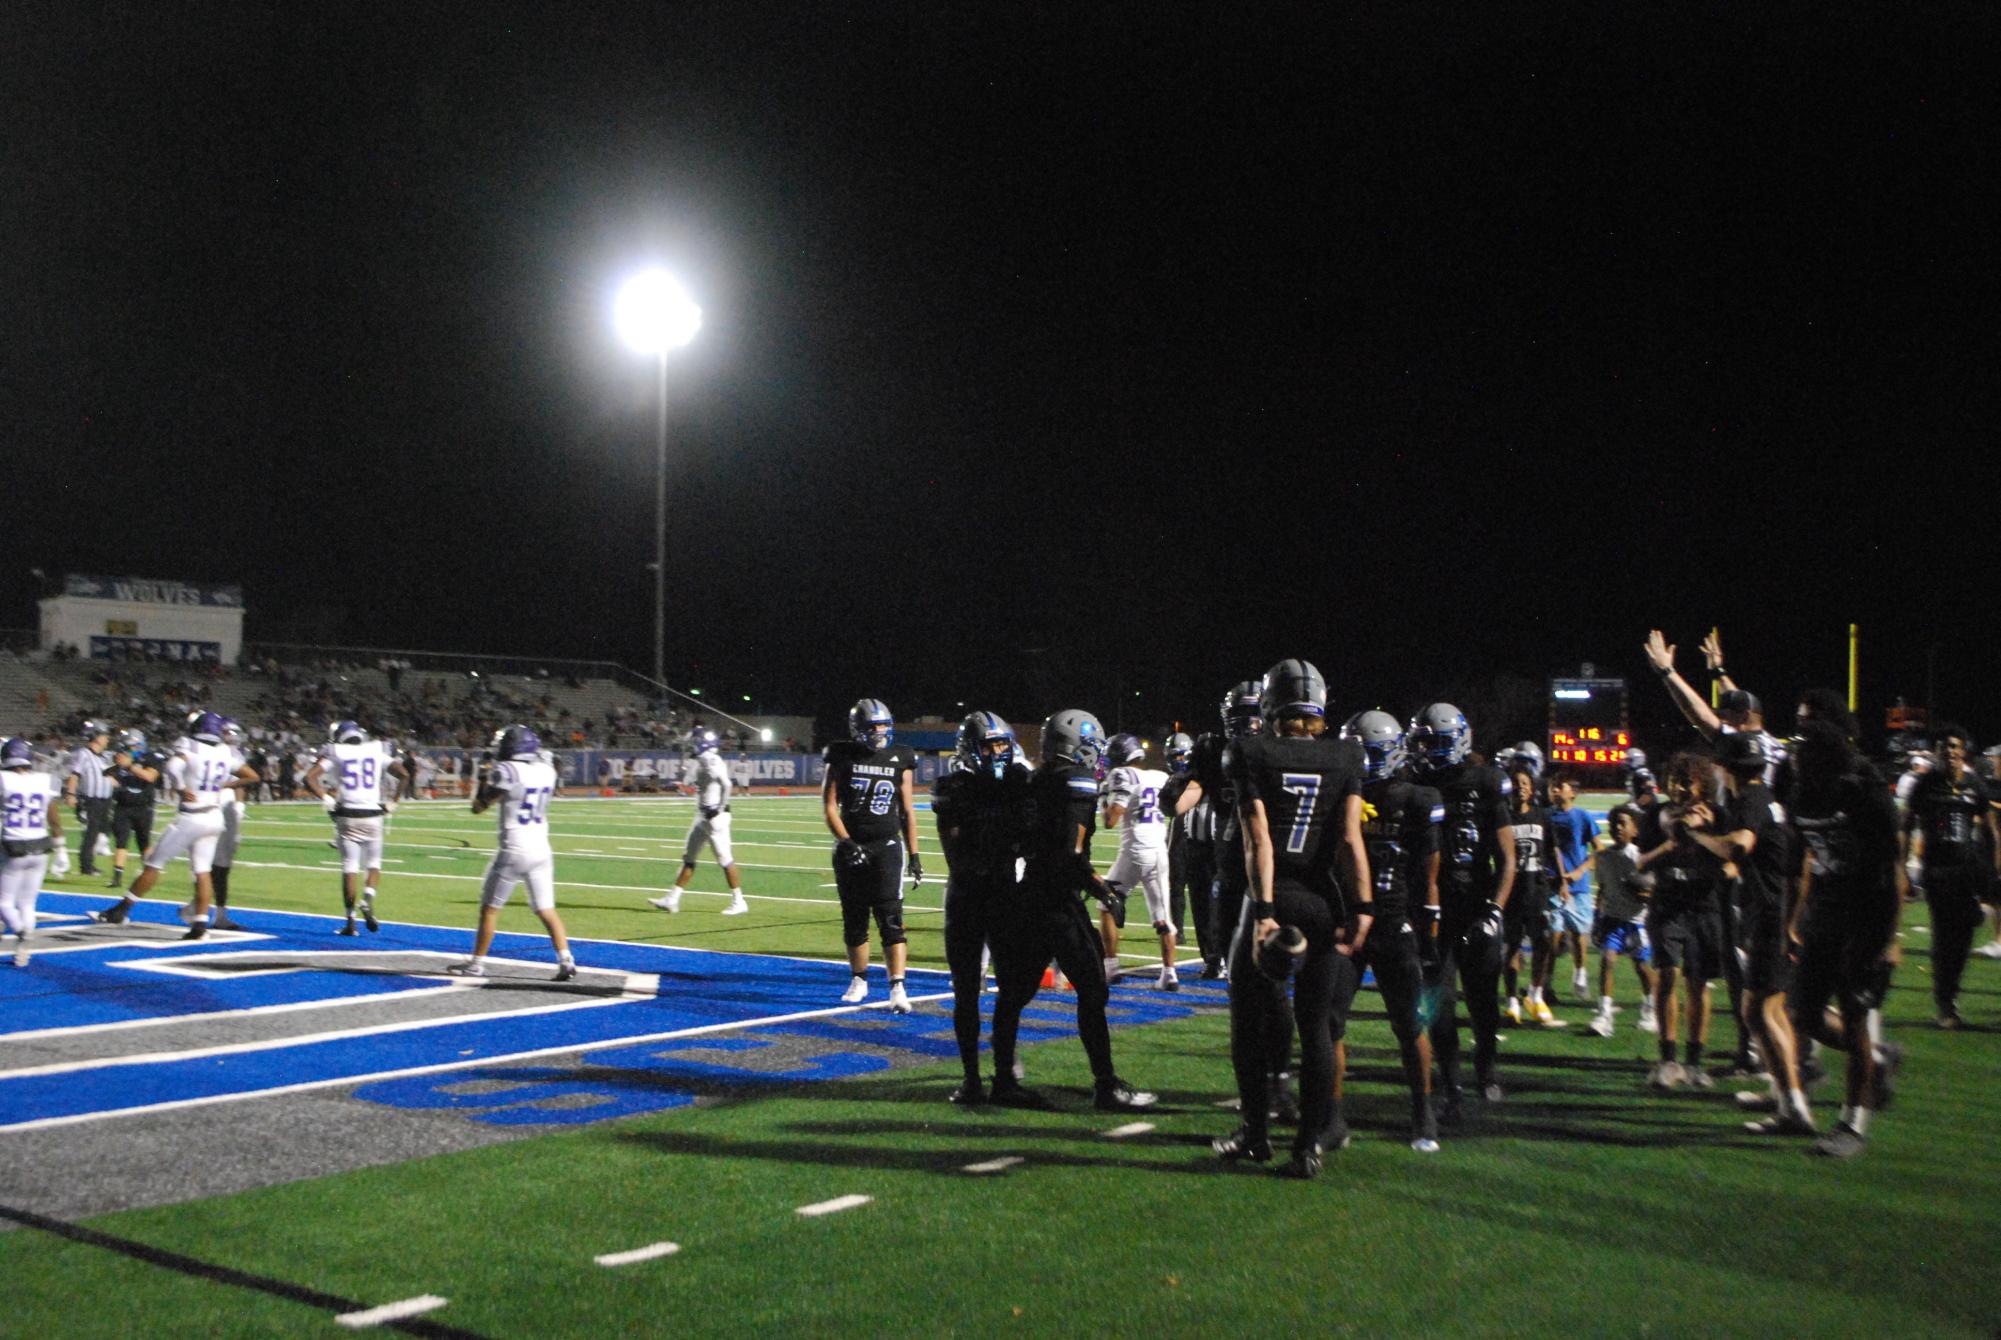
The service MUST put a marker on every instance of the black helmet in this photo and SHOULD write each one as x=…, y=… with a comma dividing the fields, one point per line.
x=1293, y=688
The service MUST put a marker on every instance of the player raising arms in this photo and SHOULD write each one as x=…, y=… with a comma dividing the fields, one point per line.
x=360, y=769
x=979, y=806
x=865, y=797
x=1299, y=803
x=1476, y=880
x=522, y=784
x=1132, y=807
x=202, y=772
x=711, y=826
x=29, y=830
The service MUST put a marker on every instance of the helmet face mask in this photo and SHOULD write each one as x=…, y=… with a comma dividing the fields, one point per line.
x=1384, y=751
x=1241, y=714
x=512, y=742
x=985, y=743
x=1180, y=752
x=1440, y=737
x=870, y=724
x=1074, y=736
x=131, y=741
x=707, y=741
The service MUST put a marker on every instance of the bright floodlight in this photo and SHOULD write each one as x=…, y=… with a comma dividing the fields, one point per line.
x=765, y=735
x=654, y=313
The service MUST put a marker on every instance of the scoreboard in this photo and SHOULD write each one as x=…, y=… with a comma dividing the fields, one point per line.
x=1588, y=727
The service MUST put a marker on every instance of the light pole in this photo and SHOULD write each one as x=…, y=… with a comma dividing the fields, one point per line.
x=654, y=315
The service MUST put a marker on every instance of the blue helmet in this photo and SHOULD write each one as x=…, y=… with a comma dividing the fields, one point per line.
x=17, y=753
x=1124, y=749
x=516, y=742
x=707, y=741
x=870, y=723
x=1440, y=737
x=1180, y=752
x=131, y=741
x=346, y=732
x=978, y=734
x=206, y=726
x=1382, y=739
x=1240, y=710
x=1074, y=736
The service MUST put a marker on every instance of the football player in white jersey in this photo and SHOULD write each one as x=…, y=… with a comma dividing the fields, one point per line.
x=712, y=826
x=523, y=785
x=201, y=773
x=1132, y=809
x=234, y=740
x=32, y=829
x=359, y=769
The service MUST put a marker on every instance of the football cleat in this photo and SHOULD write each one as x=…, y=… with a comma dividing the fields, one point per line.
x=1242, y=1146
x=1783, y=1123
x=1601, y=1024
x=1666, y=1076
x=1009, y=1093
x=899, y=1000
x=668, y=902
x=1303, y=1166
x=737, y=907
x=468, y=968
x=856, y=993
x=222, y=922
x=1512, y=1011
x=348, y=928
x=1539, y=1011
x=1843, y=1142
x=870, y=723
x=1492, y=1092
x=1440, y=737
x=1384, y=752
x=970, y=1093
x=368, y=918
x=1169, y=980
x=196, y=931
x=1750, y=1100
x=21, y=951
x=1115, y=1095
x=566, y=972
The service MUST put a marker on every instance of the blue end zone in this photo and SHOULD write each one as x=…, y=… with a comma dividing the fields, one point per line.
x=645, y=1049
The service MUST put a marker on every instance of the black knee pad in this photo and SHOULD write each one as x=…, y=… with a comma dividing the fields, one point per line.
x=889, y=923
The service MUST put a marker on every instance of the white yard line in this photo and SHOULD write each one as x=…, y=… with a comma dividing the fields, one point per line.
x=993, y=1165
x=375, y=1316
x=1131, y=1128
x=834, y=1206
x=650, y=1252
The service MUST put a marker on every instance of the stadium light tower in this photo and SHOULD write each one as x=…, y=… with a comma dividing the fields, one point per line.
x=654, y=315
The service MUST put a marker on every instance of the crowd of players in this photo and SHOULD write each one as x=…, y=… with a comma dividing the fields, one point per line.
x=1305, y=857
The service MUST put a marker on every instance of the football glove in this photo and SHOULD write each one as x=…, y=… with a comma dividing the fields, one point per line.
x=1279, y=955
x=850, y=854
x=711, y=811
x=916, y=870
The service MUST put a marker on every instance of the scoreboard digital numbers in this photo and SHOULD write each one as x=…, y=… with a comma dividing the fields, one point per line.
x=1588, y=727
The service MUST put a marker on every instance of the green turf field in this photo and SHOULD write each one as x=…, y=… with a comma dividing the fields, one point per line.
x=1583, y=1207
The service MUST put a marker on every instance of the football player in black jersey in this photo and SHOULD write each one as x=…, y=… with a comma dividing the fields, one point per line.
x=1852, y=887
x=1754, y=838
x=1045, y=919
x=1181, y=881
x=1950, y=812
x=135, y=782
x=1299, y=804
x=1400, y=825
x=1476, y=880
x=865, y=797
x=1205, y=801
x=1529, y=908
x=978, y=806
x=1685, y=917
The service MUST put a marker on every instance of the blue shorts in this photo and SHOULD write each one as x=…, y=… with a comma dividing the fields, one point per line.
x=1574, y=915
x=1624, y=937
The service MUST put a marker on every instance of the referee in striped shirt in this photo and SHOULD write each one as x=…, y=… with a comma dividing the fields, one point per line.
x=89, y=787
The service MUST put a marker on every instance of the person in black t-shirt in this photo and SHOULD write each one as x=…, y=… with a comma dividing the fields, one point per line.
x=1950, y=812
x=865, y=797
x=1045, y=918
x=135, y=782
x=1685, y=917
x=978, y=806
x=1299, y=805
x=1754, y=838
x=1476, y=880
x=1851, y=888
x=1205, y=802
x=1400, y=826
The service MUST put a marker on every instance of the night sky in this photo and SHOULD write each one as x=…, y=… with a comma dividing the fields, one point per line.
x=1049, y=358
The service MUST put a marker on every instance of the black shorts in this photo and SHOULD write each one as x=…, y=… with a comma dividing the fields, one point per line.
x=1841, y=959
x=1768, y=970
x=132, y=821
x=1688, y=940
x=1391, y=952
x=872, y=889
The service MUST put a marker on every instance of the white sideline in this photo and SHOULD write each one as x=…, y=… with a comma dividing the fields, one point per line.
x=375, y=1316
x=834, y=1206
x=637, y=1254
